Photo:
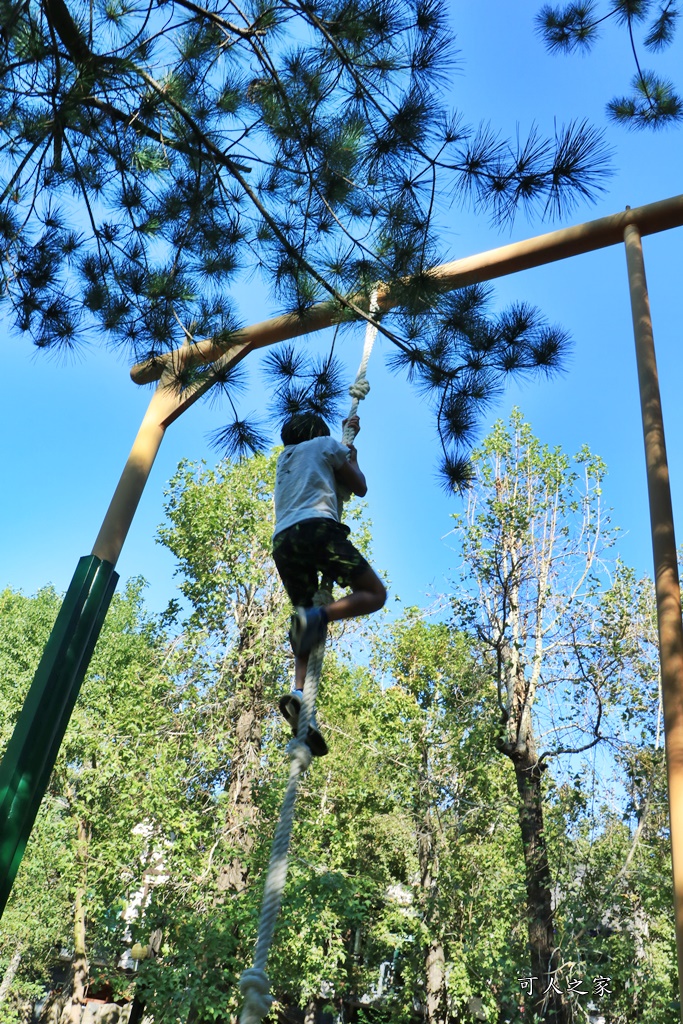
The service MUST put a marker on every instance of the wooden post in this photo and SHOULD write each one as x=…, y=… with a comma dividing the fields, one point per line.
x=670, y=625
x=135, y=474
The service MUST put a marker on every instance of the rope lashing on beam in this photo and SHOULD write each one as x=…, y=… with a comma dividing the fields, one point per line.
x=254, y=983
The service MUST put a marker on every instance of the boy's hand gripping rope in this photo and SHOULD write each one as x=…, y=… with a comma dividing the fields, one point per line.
x=254, y=983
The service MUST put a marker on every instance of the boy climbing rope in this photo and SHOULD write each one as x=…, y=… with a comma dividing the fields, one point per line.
x=309, y=539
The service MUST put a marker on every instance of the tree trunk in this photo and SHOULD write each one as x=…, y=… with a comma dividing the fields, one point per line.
x=435, y=963
x=240, y=822
x=73, y=1010
x=11, y=971
x=434, y=959
x=242, y=813
x=246, y=759
x=67, y=1007
x=546, y=997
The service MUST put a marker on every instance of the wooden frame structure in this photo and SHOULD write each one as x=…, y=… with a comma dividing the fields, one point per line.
x=24, y=775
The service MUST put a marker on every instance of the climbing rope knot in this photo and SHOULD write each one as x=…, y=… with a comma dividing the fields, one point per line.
x=359, y=389
x=300, y=754
x=255, y=988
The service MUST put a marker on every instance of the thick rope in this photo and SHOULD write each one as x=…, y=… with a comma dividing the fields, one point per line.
x=254, y=983
x=360, y=387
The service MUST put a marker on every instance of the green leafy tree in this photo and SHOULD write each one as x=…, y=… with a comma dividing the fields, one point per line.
x=229, y=662
x=87, y=855
x=34, y=920
x=606, y=825
x=462, y=810
x=573, y=654
x=404, y=887
x=617, y=903
x=532, y=541
x=232, y=664
x=363, y=900
x=654, y=101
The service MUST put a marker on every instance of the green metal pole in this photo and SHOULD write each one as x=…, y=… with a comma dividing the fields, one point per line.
x=32, y=751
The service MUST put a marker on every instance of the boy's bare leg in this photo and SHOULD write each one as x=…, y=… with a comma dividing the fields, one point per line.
x=300, y=667
x=368, y=594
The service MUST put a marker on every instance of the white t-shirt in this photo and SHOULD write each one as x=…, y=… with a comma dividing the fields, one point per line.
x=305, y=484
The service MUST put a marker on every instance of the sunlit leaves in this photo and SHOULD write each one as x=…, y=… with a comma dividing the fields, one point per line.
x=150, y=158
x=106, y=782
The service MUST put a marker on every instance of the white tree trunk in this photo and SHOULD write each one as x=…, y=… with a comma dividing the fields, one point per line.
x=12, y=969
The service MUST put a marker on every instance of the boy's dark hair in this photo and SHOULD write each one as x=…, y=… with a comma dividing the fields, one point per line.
x=303, y=426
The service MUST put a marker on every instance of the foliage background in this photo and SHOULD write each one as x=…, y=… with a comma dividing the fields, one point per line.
x=406, y=837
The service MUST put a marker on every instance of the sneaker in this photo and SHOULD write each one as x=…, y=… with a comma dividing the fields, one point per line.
x=290, y=706
x=307, y=629
x=315, y=742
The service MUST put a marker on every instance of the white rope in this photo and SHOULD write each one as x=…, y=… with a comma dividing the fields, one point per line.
x=254, y=983
x=360, y=387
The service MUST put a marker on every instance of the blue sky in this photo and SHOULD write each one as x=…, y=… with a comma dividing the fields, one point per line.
x=69, y=424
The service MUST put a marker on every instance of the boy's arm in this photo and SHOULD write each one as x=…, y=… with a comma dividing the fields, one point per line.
x=350, y=475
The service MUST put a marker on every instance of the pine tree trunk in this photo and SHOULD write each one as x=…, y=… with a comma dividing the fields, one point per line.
x=544, y=961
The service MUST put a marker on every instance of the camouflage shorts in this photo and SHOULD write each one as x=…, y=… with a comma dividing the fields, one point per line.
x=315, y=546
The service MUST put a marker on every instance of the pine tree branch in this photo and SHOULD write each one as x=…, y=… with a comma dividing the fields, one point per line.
x=17, y=174
x=213, y=16
x=290, y=249
x=58, y=15
x=641, y=77
x=135, y=122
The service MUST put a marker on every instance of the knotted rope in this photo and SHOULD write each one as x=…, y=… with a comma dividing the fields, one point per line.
x=360, y=387
x=254, y=983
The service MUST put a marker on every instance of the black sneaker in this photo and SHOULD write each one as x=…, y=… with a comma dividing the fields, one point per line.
x=290, y=706
x=307, y=629
x=315, y=742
